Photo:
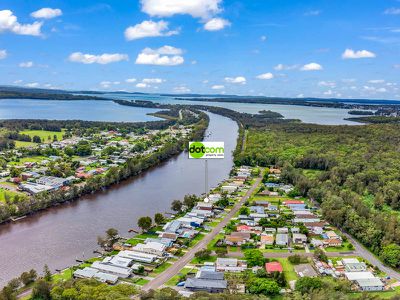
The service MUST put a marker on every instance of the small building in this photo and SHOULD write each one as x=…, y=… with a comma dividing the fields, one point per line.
x=370, y=284
x=354, y=265
x=138, y=256
x=267, y=239
x=237, y=238
x=273, y=266
x=230, y=265
x=299, y=238
x=207, y=281
x=123, y=272
x=229, y=188
x=154, y=248
x=282, y=239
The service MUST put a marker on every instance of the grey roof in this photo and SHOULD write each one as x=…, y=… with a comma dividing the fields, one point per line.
x=197, y=283
x=210, y=275
x=366, y=282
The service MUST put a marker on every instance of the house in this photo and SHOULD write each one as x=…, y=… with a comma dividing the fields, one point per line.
x=282, y=239
x=267, y=239
x=366, y=281
x=138, y=256
x=333, y=242
x=172, y=226
x=299, y=238
x=230, y=265
x=332, y=235
x=243, y=228
x=229, y=188
x=204, y=206
x=370, y=284
x=295, y=230
x=154, y=248
x=261, y=203
x=273, y=266
x=257, y=209
x=207, y=281
x=123, y=272
x=270, y=230
x=305, y=219
x=55, y=182
x=269, y=193
x=354, y=265
x=237, y=238
x=283, y=230
x=35, y=188
x=93, y=273
x=191, y=221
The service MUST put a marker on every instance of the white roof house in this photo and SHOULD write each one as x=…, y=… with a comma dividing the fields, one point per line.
x=138, y=256
x=122, y=272
x=352, y=276
x=370, y=284
x=154, y=248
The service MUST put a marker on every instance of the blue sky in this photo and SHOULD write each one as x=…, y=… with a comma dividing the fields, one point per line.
x=325, y=48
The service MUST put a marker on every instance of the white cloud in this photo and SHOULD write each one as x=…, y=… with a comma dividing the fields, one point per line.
x=263, y=38
x=196, y=8
x=32, y=84
x=265, y=76
x=142, y=85
x=164, y=56
x=351, y=54
x=311, y=67
x=103, y=59
x=130, y=80
x=392, y=11
x=9, y=23
x=238, y=79
x=218, y=87
x=149, y=29
x=281, y=67
x=312, y=13
x=3, y=54
x=47, y=13
x=376, y=81
x=153, y=80
x=107, y=84
x=328, y=93
x=26, y=64
x=181, y=89
x=216, y=24
x=18, y=81
x=330, y=84
x=397, y=66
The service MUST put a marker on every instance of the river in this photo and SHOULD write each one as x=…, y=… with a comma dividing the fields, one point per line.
x=61, y=234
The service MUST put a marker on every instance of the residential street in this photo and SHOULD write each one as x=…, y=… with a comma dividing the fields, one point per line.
x=184, y=260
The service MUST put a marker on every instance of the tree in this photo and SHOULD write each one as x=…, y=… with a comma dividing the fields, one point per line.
x=391, y=255
x=159, y=218
x=254, y=258
x=41, y=290
x=221, y=252
x=144, y=223
x=112, y=236
x=36, y=139
x=46, y=273
x=308, y=284
x=203, y=254
x=28, y=277
x=190, y=201
x=176, y=205
x=263, y=286
x=320, y=255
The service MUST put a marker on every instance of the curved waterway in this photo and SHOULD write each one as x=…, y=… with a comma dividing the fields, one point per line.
x=60, y=235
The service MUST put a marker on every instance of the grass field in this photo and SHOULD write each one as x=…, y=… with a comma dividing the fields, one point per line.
x=19, y=144
x=4, y=193
x=288, y=269
x=44, y=134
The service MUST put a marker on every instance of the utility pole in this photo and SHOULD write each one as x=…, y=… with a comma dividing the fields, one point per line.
x=206, y=178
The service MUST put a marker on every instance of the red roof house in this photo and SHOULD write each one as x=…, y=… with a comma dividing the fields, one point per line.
x=273, y=266
x=293, y=202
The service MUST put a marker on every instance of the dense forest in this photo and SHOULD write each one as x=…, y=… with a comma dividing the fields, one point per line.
x=375, y=120
x=46, y=96
x=352, y=171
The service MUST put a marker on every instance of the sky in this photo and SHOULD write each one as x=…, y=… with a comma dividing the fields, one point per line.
x=307, y=48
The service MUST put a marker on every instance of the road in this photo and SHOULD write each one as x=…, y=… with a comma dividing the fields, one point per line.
x=187, y=258
x=366, y=254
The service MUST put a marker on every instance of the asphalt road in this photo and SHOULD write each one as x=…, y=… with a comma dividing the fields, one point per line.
x=162, y=278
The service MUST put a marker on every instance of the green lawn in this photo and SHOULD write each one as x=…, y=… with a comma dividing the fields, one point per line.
x=141, y=281
x=4, y=193
x=20, y=144
x=211, y=245
x=44, y=134
x=64, y=275
x=288, y=269
x=197, y=261
x=175, y=279
x=160, y=268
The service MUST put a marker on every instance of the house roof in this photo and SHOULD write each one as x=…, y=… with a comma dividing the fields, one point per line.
x=196, y=283
x=274, y=266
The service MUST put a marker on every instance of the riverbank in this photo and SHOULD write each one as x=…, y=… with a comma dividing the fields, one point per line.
x=59, y=235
